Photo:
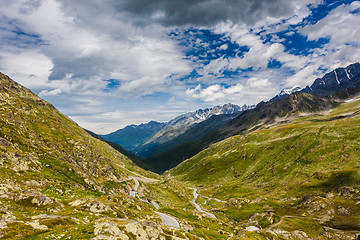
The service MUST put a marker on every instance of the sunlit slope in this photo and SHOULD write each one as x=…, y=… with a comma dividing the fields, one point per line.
x=56, y=181
x=304, y=169
x=310, y=147
x=35, y=137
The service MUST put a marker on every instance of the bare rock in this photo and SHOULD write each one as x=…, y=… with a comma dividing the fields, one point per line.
x=78, y=202
x=36, y=225
x=42, y=200
x=252, y=229
x=108, y=230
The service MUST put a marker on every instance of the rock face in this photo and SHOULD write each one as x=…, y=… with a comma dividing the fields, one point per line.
x=336, y=80
x=339, y=79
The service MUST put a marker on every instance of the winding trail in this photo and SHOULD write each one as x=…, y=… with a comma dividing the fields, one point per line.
x=168, y=220
x=198, y=207
x=133, y=192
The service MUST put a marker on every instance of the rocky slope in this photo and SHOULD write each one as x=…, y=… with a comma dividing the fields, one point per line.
x=58, y=182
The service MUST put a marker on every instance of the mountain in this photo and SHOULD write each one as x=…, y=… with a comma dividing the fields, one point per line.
x=336, y=80
x=285, y=92
x=298, y=178
x=183, y=122
x=133, y=136
x=168, y=136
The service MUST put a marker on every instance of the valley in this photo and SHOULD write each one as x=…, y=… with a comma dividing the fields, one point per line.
x=285, y=169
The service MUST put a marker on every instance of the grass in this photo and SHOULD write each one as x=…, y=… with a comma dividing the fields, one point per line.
x=308, y=155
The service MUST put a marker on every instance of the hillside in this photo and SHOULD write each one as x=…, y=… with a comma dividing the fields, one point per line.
x=59, y=182
x=56, y=181
x=297, y=178
x=52, y=173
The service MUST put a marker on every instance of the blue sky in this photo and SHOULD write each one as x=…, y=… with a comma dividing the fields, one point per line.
x=107, y=65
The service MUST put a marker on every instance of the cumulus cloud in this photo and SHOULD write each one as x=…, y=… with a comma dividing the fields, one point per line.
x=250, y=92
x=53, y=92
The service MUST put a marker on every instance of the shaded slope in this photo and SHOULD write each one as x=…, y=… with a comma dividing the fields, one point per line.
x=133, y=136
x=138, y=161
x=195, y=132
x=263, y=113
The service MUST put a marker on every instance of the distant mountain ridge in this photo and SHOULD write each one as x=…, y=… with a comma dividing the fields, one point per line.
x=141, y=139
x=133, y=136
x=182, y=123
x=336, y=80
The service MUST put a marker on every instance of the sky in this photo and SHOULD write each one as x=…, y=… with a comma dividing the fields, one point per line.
x=110, y=63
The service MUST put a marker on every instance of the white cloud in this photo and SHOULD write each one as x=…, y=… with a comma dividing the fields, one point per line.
x=252, y=91
x=53, y=92
x=223, y=47
x=338, y=26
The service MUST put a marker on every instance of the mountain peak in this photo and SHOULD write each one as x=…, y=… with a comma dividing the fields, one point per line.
x=285, y=92
x=338, y=79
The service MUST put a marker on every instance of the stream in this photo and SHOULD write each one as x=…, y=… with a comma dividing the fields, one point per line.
x=198, y=207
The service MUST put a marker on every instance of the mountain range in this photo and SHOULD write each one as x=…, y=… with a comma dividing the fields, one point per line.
x=146, y=140
x=336, y=80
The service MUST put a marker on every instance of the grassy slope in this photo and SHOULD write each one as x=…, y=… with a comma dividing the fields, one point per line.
x=55, y=175
x=48, y=161
x=291, y=167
